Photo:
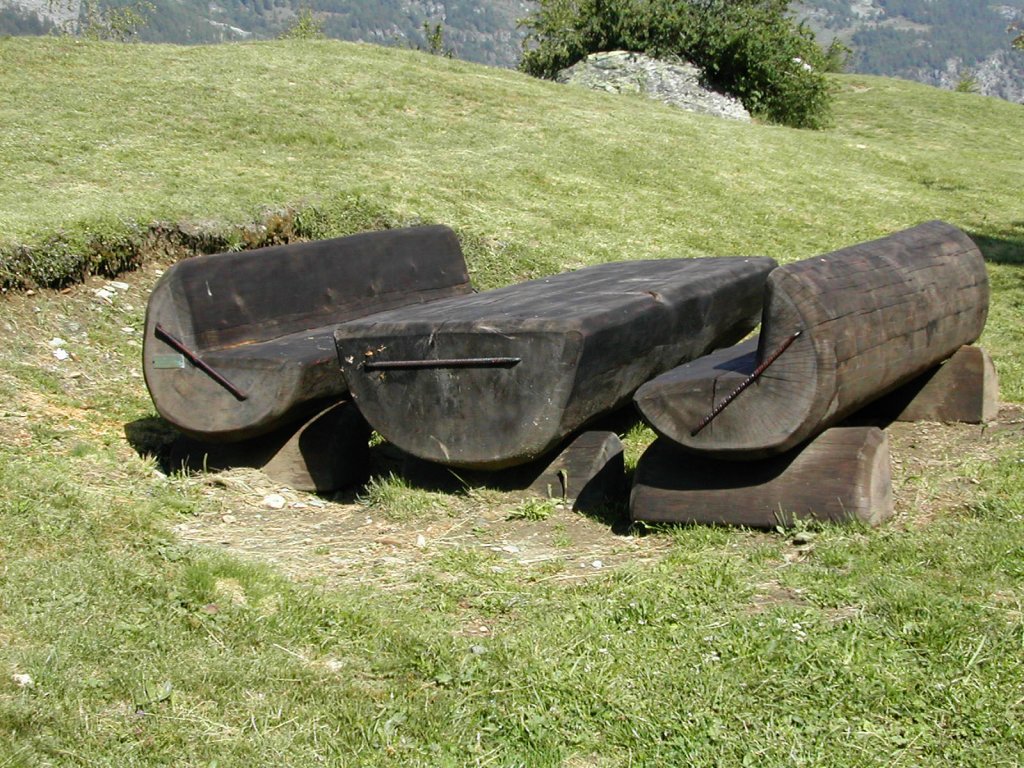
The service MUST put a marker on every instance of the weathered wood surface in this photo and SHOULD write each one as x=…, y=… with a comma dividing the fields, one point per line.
x=264, y=320
x=871, y=317
x=590, y=472
x=326, y=453
x=585, y=341
x=842, y=475
x=965, y=388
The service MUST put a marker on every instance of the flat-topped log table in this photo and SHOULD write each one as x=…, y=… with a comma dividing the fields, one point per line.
x=499, y=378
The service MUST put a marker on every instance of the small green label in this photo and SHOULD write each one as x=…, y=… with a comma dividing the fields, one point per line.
x=168, y=361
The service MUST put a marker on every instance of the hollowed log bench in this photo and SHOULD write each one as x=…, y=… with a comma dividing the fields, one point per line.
x=838, y=332
x=498, y=378
x=239, y=344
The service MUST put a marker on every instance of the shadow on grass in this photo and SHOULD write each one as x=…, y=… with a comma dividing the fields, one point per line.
x=1004, y=246
x=153, y=437
x=588, y=467
x=595, y=477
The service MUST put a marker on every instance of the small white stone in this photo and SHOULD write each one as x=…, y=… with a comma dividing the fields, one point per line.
x=57, y=342
x=421, y=541
x=22, y=680
x=103, y=293
x=61, y=354
x=118, y=285
x=597, y=564
x=510, y=548
x=228, y=518
x=274, y=501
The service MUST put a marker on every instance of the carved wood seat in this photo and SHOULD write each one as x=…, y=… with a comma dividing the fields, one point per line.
x=237, y=344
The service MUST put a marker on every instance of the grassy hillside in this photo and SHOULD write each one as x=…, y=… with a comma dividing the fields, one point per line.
x=150, y=618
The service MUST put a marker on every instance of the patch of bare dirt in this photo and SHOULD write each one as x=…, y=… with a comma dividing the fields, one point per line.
x=346, y=541
x=343, y=540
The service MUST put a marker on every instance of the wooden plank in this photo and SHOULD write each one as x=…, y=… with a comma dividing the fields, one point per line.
x=843, y=475
x=263, y=320
x=965, y=388
x=871, y=317
x=586, y=340
x=326, y=453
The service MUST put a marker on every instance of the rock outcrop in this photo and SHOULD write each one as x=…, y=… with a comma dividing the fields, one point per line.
x=678, y=84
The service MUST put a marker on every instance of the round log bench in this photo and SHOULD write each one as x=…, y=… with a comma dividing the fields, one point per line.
x=838, y=331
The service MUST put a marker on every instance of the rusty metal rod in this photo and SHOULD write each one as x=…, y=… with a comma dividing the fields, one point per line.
x=456, y=362
x=179, y=346
x=755, y=374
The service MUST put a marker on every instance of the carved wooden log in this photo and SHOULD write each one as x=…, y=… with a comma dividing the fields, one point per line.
x=237, y=344
x=540, y=358
x=843, y=475
x=869, y=317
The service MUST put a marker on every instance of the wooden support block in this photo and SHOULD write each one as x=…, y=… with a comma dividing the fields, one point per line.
x=591, y=471
x=326, y=453
x=965, y=388
x=843, y=475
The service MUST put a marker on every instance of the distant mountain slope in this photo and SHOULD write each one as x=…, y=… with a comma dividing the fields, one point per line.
x=483, y=31
x=948, y=43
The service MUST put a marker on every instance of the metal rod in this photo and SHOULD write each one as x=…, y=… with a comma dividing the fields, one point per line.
x=457, y=362
x=179, y=346
x=745, y=383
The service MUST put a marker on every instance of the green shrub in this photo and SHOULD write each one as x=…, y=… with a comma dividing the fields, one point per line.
x=749, y=48
x=119, y=24
x=305, y=27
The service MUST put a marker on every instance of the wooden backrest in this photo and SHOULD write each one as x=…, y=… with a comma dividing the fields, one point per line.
x=252, y=296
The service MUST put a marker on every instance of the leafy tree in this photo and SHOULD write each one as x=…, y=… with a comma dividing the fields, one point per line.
x=434, y=36
x=967, y=83
x=305, y=27
x=114, y=23
x=750, y=48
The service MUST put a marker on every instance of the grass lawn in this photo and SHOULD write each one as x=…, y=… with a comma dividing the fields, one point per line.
x=150, y=618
